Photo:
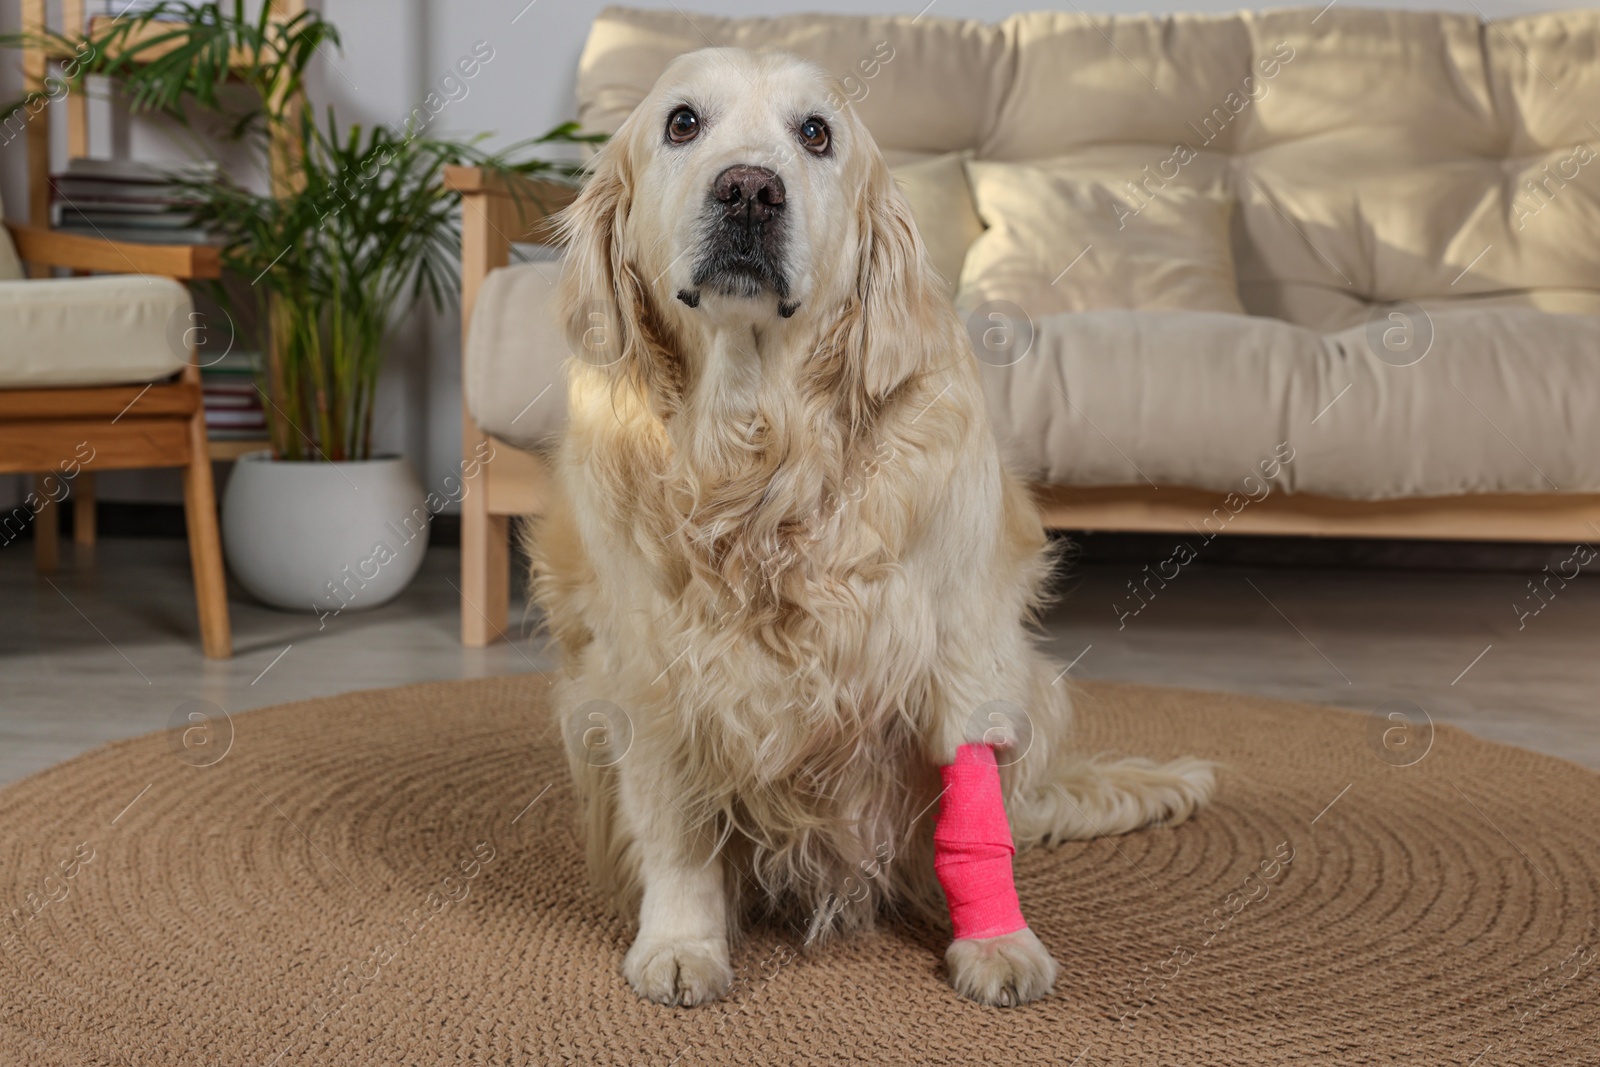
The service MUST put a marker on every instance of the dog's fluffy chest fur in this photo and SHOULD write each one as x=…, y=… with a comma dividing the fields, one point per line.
x=775, y=572
x=766, y=646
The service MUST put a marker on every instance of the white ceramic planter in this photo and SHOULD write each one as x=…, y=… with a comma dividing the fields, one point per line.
x=324, y=537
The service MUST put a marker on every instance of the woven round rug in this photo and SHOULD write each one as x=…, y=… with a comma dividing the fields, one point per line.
x=393, y=877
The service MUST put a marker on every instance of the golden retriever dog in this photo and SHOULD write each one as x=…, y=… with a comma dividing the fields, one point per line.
x=783, y=550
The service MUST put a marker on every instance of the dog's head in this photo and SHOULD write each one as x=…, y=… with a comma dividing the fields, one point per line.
x=744, y=194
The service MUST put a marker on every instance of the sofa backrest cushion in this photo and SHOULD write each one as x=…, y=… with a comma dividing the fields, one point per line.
x=1373, y=156
x=941, y=202
x=1062, y=240
x=922, y=86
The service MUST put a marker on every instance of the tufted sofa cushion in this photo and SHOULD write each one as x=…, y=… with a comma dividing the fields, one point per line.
x=1058, y=241
x=1374, y=156
x=922, y=86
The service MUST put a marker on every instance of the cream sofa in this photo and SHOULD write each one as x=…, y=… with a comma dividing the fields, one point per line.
x=1325, y=272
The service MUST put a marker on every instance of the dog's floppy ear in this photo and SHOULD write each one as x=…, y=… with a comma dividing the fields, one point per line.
x=610, y=324
x=591, y=231
x=899, y=320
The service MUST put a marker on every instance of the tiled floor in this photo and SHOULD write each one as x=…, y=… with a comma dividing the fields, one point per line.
x=99, y=652
x=107, y=649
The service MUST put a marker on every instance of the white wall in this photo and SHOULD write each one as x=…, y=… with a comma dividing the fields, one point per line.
x=395, y=52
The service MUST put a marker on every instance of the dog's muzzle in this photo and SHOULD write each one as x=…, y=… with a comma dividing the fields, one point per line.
x=744, y=242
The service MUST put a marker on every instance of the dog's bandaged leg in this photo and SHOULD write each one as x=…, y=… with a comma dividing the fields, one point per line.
x=972, y=847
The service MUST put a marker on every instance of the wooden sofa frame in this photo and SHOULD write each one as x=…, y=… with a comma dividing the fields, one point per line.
x=513, y=482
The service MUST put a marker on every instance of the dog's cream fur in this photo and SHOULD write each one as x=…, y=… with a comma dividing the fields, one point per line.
x=787, y=550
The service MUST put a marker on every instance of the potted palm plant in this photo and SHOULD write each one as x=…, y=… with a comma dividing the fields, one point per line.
x=356, y=227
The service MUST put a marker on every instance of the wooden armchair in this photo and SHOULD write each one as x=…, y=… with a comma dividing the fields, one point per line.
x=493, y=217
x=64, y=434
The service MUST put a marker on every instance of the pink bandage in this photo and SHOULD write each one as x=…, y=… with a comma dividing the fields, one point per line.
x=972, y=847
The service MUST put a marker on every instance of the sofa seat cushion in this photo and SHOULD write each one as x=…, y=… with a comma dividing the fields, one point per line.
x=106, y=330
x=1500, y=402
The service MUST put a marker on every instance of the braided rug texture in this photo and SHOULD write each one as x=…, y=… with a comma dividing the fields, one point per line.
x=393, y=877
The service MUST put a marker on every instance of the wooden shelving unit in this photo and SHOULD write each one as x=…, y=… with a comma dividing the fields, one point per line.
x=139, y=36
x=37, y=63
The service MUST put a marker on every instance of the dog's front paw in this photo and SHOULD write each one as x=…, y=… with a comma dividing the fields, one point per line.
x=678, y=972
x=1001, y=971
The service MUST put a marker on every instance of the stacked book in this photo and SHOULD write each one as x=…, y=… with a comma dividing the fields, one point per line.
x=135, y=8
x=232, y=401
x=122, y=200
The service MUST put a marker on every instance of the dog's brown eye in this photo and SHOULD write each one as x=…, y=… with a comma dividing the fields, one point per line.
x=682, y=125
x=814, y=135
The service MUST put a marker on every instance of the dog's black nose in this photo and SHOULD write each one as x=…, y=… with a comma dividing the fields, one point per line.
x=753, y=193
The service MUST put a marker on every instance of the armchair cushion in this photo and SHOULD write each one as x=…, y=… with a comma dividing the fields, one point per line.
x=515, y=381
x=91, y=331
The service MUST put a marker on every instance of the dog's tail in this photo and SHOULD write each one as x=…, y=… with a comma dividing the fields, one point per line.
x=1100, y=798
